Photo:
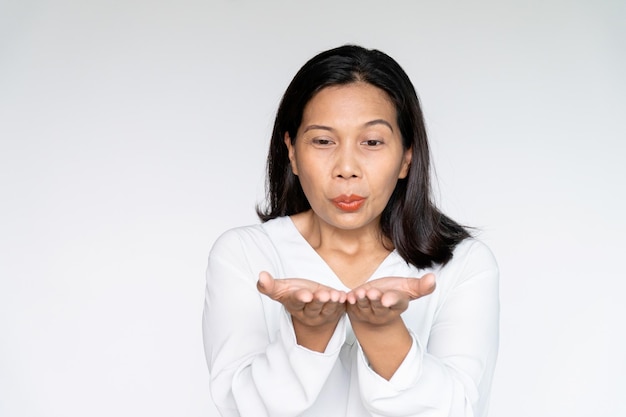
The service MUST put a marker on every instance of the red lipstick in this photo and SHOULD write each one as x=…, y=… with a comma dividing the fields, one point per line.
x=348, y=202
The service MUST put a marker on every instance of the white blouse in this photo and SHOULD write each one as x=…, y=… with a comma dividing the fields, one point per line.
x=257, y=369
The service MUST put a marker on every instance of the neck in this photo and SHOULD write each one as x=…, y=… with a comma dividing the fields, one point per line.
x=353, y=255
x=326, y=238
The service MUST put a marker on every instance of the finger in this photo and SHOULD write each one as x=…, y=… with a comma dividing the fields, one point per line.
x=351, y=298
x=313, y=309
x=314, y=305
x=363, y=302
x=332, y=308
x=322, y=296
x=394, y=300
x=337, y=296
x=296, y=301
x=355, y=295
x=374, y=295
x=323, y=299
x=265, y=284
x=304, y=296
x=428, y=284
x=421, y=286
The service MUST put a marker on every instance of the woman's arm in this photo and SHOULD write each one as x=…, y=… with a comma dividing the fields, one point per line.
x=315, y=309
x=375, y=310
x=447, y=372
x=256, y=367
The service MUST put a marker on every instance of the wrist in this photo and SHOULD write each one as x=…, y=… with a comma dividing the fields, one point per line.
x=384, y=346
x=380, y=338
x=314, y=337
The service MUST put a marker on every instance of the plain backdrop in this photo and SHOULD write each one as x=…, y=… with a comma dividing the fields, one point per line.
x=134, y=132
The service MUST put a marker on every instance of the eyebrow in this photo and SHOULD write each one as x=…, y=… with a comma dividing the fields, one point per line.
x=368, y=124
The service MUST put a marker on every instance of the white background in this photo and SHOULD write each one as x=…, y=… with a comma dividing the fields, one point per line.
x=134, y=132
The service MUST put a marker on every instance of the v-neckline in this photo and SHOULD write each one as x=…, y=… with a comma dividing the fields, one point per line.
x=303, y=242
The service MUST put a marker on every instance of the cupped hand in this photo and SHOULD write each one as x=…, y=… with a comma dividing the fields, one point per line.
x=382, y=300
x=309, y=302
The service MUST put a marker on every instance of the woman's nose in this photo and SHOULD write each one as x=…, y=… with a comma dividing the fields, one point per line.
x=347, y=163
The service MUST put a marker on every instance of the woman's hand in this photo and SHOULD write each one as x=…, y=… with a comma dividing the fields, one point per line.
x=382, y=300
x=315, y=308
x=374, y=309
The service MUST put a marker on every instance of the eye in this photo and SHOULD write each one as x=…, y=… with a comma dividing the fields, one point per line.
x=372, y=142
x=322, y=141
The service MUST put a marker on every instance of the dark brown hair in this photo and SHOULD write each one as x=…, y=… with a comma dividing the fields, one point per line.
x=419, y=231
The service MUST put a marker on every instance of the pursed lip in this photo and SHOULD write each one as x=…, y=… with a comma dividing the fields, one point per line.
x=351, y=202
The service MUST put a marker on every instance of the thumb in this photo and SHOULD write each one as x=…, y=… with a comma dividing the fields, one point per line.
x=423, y=286
x=265, y=284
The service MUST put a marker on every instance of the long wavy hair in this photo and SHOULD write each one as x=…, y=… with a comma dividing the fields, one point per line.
x=419, y=231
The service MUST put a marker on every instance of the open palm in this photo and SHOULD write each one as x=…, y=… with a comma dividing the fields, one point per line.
x=382, y=300
x=309, y=302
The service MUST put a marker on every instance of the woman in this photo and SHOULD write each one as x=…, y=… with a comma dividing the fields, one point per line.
x=356, y=296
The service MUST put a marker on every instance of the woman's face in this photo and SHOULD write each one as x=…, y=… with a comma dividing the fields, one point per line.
x=348, y=154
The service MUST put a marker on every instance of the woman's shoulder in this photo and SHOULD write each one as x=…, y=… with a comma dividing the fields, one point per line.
x=472, y=263
x=261, y=236
x=472, y=246
x=252, y=248
x=472, y=255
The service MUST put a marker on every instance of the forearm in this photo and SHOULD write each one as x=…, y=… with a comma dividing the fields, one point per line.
x=385, y=346
x=448, y=370
x=314, y=338
x=250, y=343
x=246, y=382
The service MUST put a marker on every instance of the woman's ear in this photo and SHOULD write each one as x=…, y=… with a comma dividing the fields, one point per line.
x=406, y=163
x=292, y=157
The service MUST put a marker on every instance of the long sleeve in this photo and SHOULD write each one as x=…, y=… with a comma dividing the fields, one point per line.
x=257, y=369
x=449, y=368
x=255, y=365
